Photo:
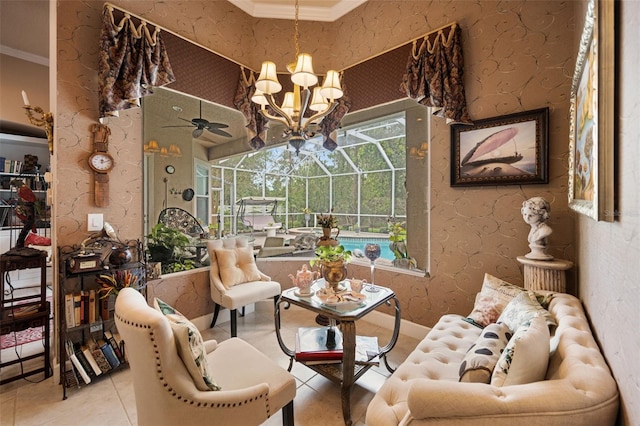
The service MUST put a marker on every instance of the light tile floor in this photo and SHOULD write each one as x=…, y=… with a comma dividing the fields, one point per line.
x=110, y=401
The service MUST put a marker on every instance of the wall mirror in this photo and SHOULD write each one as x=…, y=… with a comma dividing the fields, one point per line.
x=185, y=136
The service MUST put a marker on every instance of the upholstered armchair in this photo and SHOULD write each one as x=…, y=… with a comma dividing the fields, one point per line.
x=235, y=280
x=168, y=385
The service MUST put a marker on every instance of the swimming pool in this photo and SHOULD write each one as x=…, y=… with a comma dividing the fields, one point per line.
x=353, y=243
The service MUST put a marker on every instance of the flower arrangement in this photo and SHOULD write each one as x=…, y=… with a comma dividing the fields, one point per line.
x=327, y=220
x=329, y=253
x=113, y=283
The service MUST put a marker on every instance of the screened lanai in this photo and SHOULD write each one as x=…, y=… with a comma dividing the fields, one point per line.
x=362, y=182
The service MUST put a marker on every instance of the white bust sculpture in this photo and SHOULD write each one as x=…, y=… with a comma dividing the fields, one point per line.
x=535, y=211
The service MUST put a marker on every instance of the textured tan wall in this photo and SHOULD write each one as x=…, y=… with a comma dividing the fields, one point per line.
x=17, y=75
x=608, y=277
x=516, y=58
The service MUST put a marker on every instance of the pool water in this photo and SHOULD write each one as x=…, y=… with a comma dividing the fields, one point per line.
x=353, y=243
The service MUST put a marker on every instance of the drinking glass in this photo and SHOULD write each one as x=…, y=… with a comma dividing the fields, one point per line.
x=372, y=252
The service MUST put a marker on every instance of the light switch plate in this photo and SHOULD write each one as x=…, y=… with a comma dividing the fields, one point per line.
x=95, y=222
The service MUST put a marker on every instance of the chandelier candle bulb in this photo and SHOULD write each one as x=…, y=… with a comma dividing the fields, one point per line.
x=25, y=99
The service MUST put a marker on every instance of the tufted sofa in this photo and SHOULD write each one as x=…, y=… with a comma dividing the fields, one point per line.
x=425, y=389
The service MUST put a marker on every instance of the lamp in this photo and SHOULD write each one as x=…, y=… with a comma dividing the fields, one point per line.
x=420, y=152
x=298, y=128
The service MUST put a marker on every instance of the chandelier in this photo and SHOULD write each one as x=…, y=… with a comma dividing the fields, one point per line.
x=293, y=112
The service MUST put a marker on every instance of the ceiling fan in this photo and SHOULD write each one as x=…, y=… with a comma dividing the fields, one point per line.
x=201, y=125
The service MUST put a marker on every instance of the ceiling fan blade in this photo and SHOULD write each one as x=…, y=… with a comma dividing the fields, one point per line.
x=219, y=132
x=188, y=121
x=176, y=126
x=211, y=126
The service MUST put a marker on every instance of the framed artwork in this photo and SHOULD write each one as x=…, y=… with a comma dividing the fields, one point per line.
x=592, y=116
x=508, y=150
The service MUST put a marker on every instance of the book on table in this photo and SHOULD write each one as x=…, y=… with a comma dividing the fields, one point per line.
x=367, y=350
x=311, y=345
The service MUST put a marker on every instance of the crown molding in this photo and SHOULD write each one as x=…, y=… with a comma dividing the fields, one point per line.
x=307, y=13
x=25, y=56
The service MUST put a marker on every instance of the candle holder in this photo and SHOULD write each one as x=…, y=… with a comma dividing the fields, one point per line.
x=45, y=120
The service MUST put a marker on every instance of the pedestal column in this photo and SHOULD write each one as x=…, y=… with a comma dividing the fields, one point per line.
x=545, y=274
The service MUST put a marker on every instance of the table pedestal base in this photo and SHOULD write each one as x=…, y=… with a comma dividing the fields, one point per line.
x=545, y=274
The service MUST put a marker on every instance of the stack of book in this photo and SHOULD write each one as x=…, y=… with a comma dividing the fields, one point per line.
x=86, y=307
x=96, y=356
x=312, y=347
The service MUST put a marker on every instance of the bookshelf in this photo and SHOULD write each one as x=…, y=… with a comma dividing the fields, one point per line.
x=90, y=347
x=21, y=313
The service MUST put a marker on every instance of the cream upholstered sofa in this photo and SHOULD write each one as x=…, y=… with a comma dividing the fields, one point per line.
x=578, y=388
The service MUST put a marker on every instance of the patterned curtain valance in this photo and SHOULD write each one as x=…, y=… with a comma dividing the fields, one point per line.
x=434, y=75
x=130, y=60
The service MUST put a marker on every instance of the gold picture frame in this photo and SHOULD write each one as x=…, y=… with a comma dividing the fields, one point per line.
x=592, y=116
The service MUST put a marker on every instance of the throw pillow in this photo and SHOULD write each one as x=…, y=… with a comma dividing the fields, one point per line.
x=237, y=266
x=481, y=358
x=526, y=357
x=522, y=309
x=190, y=346
x=492, y=299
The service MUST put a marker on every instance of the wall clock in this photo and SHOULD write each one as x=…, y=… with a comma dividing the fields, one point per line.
x=101, y=163
x=170, y=169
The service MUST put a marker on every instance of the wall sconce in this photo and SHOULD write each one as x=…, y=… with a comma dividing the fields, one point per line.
x=152, y=146
x=421, y=152
x=45, y=120
x=173, y=150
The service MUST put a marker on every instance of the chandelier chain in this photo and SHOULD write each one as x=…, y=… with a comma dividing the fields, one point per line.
x=296, y=33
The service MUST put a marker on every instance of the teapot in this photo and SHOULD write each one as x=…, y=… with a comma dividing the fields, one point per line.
x=304, y=279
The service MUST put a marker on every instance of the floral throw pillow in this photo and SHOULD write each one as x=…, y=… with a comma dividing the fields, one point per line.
x=522, y=309
x=526, y=357
x=190, y=346
x=491, y=300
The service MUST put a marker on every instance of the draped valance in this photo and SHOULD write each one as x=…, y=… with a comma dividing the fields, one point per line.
x=434, y=76
x=130, y=60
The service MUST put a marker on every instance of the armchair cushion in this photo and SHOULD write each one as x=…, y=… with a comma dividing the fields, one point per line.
x=190, y=346
x=237, y=266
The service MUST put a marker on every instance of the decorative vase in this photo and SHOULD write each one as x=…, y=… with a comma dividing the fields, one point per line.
x=399, y=249
x=333, y=273
x=326, y=233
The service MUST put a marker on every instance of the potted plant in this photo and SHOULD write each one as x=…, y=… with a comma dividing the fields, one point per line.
x=162, y=241
x=327, y=222
x=332, y=260
x=398, y=236
x=307, y=215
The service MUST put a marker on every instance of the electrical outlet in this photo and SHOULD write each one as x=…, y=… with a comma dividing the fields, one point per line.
x=95, y=222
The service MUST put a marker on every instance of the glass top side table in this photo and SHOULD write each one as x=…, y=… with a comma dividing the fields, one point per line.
x=347, y=372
